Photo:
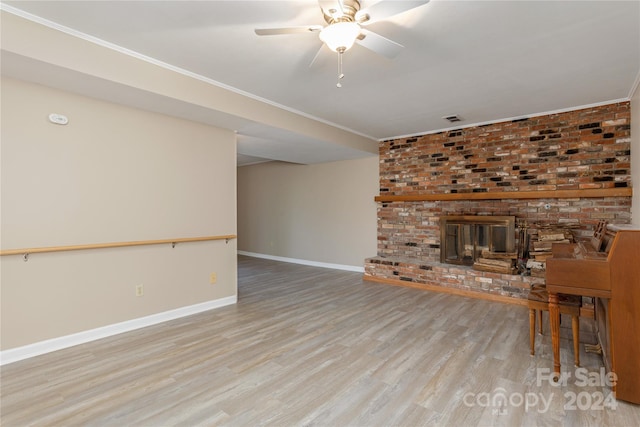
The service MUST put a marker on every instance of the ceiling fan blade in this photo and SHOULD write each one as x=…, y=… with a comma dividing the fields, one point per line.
x=289, y=30
x=385, y=9
x=331, y=8
x=318, y=54
x=378, y=44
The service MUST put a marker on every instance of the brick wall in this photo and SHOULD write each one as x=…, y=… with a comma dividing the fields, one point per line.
x=574, y=150
x=577, y=150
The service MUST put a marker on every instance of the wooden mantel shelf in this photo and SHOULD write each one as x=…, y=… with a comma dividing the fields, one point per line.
x=554, y=194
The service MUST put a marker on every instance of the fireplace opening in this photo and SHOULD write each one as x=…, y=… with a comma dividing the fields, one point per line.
x=463, y=238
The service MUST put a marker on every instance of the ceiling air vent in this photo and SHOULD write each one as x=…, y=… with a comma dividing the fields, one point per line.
x=453, y=118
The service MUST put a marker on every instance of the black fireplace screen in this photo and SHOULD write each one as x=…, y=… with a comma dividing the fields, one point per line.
x=463, y=238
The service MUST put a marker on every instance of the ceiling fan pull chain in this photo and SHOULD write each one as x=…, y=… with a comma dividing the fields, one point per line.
x=340, y=74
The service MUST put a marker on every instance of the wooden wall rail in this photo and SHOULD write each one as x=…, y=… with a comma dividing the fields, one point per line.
x=27, y=251
x=554, y=194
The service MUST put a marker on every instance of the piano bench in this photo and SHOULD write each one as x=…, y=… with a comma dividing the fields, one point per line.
x=538, y=301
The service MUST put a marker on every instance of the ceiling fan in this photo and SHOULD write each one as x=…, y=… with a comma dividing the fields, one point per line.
x=345, y=21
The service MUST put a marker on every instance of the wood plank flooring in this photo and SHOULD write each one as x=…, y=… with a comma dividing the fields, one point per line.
x=312, y=346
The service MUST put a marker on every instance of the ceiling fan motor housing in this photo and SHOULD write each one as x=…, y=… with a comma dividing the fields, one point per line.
x=345, y=13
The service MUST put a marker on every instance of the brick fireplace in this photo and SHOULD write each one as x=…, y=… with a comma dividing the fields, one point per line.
x=570, y=168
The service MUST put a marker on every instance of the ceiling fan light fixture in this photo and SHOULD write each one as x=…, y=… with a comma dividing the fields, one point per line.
x=340, y=36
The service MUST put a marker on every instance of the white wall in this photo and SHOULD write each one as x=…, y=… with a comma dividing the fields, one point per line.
x=112, y=174
x=322, y=213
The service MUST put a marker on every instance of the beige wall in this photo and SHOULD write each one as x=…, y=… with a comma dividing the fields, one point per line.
x=635, y=155
x=323, y=213
x=80, y=64
x=112, y=174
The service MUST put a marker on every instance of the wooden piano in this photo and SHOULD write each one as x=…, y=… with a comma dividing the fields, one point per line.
x=607, y=268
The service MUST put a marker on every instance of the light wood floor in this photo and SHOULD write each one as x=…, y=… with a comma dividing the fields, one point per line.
x=310, y=346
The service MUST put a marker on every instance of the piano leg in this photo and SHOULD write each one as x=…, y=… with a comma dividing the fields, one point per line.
x=554, y=318
x=575, y=329
x=532, y=331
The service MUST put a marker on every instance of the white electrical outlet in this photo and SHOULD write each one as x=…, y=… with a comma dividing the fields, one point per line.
x=139, y=290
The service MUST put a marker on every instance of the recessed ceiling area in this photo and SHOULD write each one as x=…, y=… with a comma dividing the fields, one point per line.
x=481, y=60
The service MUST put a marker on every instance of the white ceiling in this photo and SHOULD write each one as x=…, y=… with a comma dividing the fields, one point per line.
x=482, y=60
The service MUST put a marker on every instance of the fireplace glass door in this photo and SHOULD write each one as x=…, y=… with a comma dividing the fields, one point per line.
x=459, y=243
x=463, y=240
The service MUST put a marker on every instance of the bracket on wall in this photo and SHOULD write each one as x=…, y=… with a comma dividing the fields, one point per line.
x=25, y=257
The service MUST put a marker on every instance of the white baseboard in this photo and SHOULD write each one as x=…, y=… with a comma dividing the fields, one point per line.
x=42, y=347
x=304, y=262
